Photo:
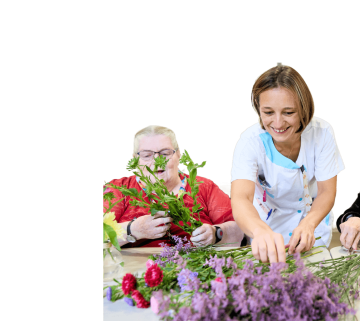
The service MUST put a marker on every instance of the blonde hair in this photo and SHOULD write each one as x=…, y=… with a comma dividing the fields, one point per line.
x=154, y=130
x=289, y=78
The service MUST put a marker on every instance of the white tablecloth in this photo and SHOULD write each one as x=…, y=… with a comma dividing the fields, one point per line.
x=135, y=260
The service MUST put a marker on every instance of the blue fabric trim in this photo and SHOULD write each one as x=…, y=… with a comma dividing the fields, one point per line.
x=327, y=219
x=273, y=154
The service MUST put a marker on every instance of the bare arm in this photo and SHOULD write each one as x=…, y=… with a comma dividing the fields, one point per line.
x=244, y=212
x=266, y=243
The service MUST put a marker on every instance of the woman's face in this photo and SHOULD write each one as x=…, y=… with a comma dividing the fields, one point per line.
x=156, y=144
x=279, y=112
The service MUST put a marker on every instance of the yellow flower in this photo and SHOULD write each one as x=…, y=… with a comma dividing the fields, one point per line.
x=109, y=219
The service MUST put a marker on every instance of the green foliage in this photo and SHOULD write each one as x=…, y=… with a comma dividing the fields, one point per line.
x=112, y=235
x=164, y=200
x=133, y=163
x=109, y=196
x=195, y=260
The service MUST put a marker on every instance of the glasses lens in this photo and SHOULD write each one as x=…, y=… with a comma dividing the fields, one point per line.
x=167, y=153
x=145, y=155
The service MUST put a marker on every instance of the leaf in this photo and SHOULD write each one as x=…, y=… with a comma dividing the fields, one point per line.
x=130, y=192
x=160, y=162
x=193, y=175
x=122, y=263
x=133, y=163
x=112, y=235
x=109, y=196
x=196, y=207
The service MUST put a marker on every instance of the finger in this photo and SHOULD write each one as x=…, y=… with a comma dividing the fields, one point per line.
x=164, y=220
x=309, y=243
x=263, y=251
x=199, y=230
x=313, y=240
x=294, y=240
x=271, y=251
x=350, y=237
x=349, y=240
x=356, y=242
x=198, y=239
x=197, y=244
x=255, y=250
x=280, y=248
x=161, y=229
x=159, y=214
x=341, y=227
x=343, y=238
x=303, y=244
x=160, y=235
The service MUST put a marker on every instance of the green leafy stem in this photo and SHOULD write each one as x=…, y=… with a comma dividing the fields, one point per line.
x=160, y=199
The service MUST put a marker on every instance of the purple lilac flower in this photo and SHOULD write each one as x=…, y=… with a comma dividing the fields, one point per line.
x=129, y=301
x=109, y=293
x=188, y=280
x=216, y=263
x=169, y=253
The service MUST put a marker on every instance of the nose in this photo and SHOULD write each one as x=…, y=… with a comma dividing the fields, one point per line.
x=278, y=121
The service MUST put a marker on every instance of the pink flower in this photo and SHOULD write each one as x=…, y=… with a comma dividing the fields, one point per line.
x=128, y=284
x=218, y=280
x=139, y=299
x=154, y=305
x=149, y=263
x=153, y=275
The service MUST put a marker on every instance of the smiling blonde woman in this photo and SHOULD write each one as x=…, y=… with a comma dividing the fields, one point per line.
x=284, y=169
x=146, y=230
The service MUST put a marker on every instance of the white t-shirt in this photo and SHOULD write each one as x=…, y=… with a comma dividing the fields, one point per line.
x=257, y=159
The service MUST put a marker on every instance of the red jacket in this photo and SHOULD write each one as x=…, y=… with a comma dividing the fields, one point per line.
x=216, y=207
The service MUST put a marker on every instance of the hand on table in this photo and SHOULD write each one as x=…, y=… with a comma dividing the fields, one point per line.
x=203, y=235
x=147, y=226
x=350, y=233
x=305, y=234
x=268, y=246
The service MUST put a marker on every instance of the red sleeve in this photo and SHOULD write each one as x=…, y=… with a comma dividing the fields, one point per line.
x=123, y=211
x=215, y=203
x=218, y=204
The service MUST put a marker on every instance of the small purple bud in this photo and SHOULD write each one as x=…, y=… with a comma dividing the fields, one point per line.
x=146, y=284
x=129, y=301
x=108, y=293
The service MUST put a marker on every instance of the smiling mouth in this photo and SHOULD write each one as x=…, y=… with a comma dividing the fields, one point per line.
x=160, y=171
x=280, y=131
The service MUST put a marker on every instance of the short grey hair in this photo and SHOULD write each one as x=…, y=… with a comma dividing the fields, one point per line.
x=154, y=130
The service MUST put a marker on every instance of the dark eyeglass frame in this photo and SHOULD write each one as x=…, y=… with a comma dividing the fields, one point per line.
x=174, y=151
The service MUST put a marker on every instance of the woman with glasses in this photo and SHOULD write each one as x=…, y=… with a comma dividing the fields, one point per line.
x=285, y=169
x=146, y=230
x=348, y=224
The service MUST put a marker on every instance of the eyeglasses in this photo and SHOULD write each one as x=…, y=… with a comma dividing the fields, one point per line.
x=148, y=155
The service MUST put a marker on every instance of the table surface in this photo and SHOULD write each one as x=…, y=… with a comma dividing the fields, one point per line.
x=135, y=260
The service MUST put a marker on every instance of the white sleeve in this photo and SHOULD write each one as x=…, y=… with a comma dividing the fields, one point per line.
x=328, y=163
x=245, y=160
